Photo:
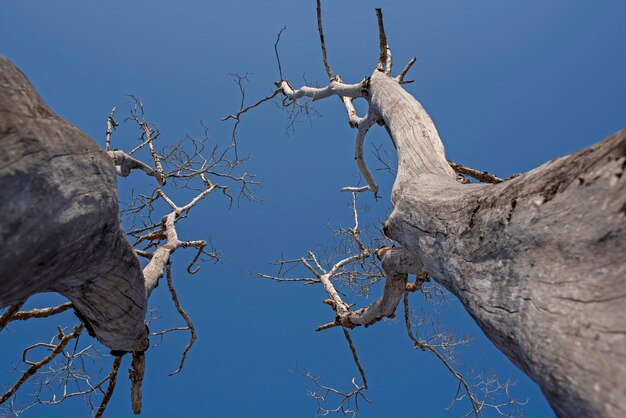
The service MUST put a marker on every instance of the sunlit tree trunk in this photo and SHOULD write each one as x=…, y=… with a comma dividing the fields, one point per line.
x=539, y=261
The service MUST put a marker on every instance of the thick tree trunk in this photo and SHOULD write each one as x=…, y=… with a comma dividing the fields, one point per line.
x=539, y=261
x=59, y=222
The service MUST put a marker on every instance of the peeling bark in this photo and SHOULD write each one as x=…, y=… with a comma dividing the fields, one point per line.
x=59, y=228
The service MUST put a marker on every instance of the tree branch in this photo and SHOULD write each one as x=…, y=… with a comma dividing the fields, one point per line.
x=9, y=314
x=63, y=340
x=320, y=29
x=384, y=47
x=136, y=374
x=111, y=387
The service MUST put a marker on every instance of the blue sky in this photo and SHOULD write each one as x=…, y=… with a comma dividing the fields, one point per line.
x=510, y=85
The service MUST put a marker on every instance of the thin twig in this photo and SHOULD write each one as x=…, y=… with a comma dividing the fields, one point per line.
x=63, y=340
x=424, y=346
x=280, y=69
x=181, y=311
x=355, y=356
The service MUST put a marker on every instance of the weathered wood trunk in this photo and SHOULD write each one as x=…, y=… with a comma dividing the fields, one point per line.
x=539, y=261
x=59, y=222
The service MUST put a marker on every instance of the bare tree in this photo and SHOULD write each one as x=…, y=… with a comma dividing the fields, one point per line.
x=62, y=233
x=537, y=260
x=347, y=271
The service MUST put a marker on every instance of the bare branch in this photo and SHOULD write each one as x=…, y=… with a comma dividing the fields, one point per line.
x=111, y=124
x=400, y=77
x=324, y=393
x=239, y=79
x=183, y=314
x=34, y=366
x=382, y=60
x=243, y=110
x=320, y=29
x=42, y=312
x=355, y=356
x=488, y=386
x=9, y=314
x=306, y=280
x=136, y=378
x=112, y=378
x=478, y=175
x=149, y=134
x=280, y=70
x=358, y=154
x=335, y=88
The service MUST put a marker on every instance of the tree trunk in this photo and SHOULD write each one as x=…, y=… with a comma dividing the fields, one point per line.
x=59, y=222
x=539, y=261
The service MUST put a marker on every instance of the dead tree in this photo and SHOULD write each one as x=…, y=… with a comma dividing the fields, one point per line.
x=60, y=227
x=537, y=260
x=61, y=231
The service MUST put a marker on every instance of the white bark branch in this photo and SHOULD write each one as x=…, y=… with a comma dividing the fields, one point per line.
x=358, y=153
x=335, y=88
x=397, y=264
x=153, y=271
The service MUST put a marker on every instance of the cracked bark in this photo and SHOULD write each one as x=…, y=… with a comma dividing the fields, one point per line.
x=538, y=260
x=60, y=229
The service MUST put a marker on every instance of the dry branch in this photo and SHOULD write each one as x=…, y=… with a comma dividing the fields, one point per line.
x=183, y=314
x=35, y=366
x=136, y=374
x=112, y=378
x=42, y=312
x=9, y=314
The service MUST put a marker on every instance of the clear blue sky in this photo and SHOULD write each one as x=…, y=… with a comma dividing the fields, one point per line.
x=510, y=85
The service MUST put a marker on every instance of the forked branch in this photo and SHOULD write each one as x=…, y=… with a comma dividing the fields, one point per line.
x=35, y=366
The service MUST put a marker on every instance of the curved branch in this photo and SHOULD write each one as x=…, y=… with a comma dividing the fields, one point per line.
x=397, y=264
x=358, y=154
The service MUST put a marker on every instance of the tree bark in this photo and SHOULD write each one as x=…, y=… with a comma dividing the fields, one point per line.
x=538, y=261
x=59, y=222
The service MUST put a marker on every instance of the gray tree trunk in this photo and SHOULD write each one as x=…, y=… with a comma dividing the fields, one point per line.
x=539, y=261
x=59, y=221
